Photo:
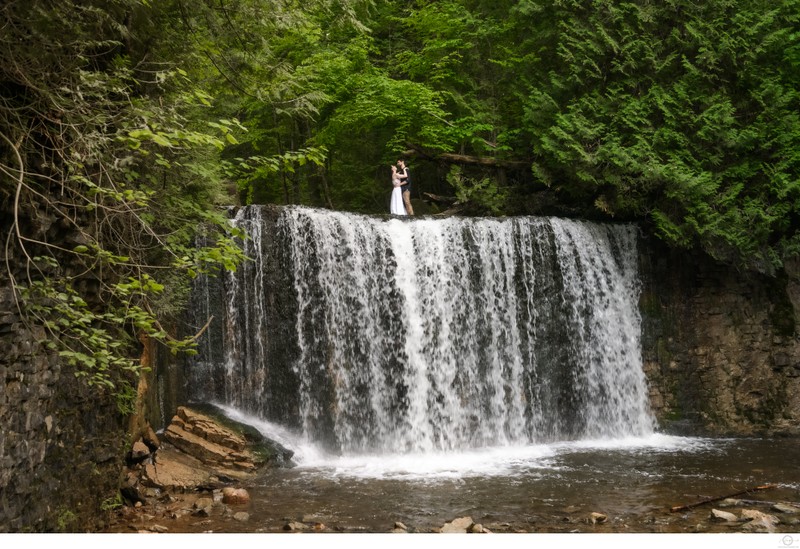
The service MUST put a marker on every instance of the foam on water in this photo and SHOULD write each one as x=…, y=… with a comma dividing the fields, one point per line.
x=500, y=461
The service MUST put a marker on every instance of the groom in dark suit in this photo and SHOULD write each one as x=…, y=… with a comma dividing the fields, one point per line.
x=402, y=171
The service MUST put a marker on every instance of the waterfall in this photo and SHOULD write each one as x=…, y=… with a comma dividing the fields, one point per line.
x=377, y=335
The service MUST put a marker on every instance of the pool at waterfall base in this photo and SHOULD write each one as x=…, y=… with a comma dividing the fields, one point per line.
x=546, y=488
x=428, y=369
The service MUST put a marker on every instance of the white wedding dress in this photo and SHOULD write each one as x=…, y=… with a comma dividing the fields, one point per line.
x=396, y=206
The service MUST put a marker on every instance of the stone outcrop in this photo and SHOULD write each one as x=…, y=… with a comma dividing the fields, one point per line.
x=457, y=526
x=235, y=496
x=717, y=514
x=203, y=438
x=720, y=347
x=199, y=452
x=461, y=525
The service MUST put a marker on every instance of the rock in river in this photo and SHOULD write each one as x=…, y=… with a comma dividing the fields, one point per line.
x=235, y=496
x=457, y=526
x=202, y=451
x=716, y=514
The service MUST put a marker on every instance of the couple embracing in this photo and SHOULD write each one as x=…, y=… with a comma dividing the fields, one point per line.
x=401, y=194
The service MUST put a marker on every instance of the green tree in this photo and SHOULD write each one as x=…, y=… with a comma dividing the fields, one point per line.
x=682, y=113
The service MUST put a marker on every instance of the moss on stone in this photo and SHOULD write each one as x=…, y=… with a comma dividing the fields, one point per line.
x=650, y=306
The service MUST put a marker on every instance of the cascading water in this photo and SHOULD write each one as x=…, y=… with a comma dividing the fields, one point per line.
x=375, y=335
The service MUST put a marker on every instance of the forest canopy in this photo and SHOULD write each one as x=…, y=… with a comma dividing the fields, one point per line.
x=681, y=115
x=129, y=123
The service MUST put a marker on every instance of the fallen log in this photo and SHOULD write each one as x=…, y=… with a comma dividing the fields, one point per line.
x=440, y=198
x=455, y=210
x=689, y=506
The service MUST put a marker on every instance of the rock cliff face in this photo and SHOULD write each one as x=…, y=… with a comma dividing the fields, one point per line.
x=720, y=347
x=61, y=442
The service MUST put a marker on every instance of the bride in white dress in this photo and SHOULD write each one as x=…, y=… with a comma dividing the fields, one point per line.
x=396, y=206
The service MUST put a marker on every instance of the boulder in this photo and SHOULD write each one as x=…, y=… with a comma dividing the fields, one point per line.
x=201, y=438
x=267, y=451
x=457, y=526
x=758, y=521
x=716, y=514
x=203, y=507
x=752, y=514
x=295, y=526
x=208, y=429
x=177, y=470
x=217, y=442
x=150, y=438
x=730, y=502
x=139, y=451
x=597, y=518
x=276, y=454
x=787, y=508
x=235, y=496
x=199, y=453
x=241, y=516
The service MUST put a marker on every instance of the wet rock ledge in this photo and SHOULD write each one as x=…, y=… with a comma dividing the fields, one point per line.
x=200, y=450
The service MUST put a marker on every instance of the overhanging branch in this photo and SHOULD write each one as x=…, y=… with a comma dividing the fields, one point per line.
x=469, y=160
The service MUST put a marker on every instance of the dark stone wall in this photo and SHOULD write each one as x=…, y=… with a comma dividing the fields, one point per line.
x=62, y=443
x=275, y=400
x=720, y=347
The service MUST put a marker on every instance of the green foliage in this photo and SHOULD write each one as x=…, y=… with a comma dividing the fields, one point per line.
x=125, y=395
x=686, y=113
x=66, y=520
x=119, y=153
x=484, y=197
x=112, y=503
x=252, y=172
x=681, y=114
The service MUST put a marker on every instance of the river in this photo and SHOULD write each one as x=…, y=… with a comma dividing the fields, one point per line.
x=554, y=487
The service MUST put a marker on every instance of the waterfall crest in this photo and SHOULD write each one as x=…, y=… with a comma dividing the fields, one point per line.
x=395, y=335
